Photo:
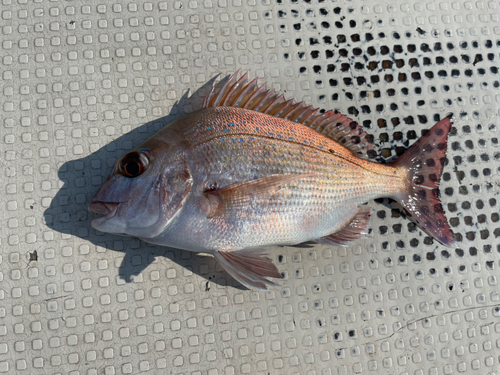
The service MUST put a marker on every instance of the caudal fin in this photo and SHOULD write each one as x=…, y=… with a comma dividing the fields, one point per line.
x=424, y=162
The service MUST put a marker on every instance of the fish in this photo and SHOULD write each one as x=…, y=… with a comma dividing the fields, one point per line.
x=250, y=170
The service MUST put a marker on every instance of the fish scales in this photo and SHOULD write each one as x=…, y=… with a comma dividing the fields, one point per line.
x=250, y=170
x=225, y=148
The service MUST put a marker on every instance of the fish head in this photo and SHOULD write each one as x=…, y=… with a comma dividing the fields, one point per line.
x=143, y=193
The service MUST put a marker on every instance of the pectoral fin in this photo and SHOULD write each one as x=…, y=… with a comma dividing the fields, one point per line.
x=250, y=267
x=239, y=195
x=357, y=227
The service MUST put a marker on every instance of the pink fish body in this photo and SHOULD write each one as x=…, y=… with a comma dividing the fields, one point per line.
x=251, y=170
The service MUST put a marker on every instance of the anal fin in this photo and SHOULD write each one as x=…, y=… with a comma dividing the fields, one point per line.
x=356, y=228
x=250, y=267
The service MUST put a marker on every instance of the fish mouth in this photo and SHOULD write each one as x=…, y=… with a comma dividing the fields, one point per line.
x=107, y=209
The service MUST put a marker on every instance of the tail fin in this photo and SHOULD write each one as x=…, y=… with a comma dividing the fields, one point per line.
x=424, y=162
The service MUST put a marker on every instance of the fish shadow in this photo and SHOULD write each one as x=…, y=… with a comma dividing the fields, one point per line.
x=81, y=178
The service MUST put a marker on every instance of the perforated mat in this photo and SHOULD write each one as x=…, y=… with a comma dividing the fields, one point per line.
x=83, y=82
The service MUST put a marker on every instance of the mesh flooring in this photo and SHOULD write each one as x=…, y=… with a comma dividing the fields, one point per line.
x=82, y=83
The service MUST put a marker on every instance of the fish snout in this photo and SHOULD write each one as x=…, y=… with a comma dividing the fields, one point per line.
x=103, y=208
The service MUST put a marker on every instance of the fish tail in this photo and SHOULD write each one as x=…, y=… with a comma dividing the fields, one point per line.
x=424, y=163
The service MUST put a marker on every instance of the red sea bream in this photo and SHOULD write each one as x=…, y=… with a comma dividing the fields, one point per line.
x=251, y=170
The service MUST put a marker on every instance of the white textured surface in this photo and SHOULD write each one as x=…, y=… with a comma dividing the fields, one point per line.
x=78, y=81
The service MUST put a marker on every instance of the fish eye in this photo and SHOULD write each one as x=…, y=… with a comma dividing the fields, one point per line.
x=133, y=164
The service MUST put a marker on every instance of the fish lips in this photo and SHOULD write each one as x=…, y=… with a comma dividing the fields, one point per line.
x=103, y=208
x=108, y=211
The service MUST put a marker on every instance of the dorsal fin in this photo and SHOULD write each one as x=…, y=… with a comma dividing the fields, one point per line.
x=234, y=92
